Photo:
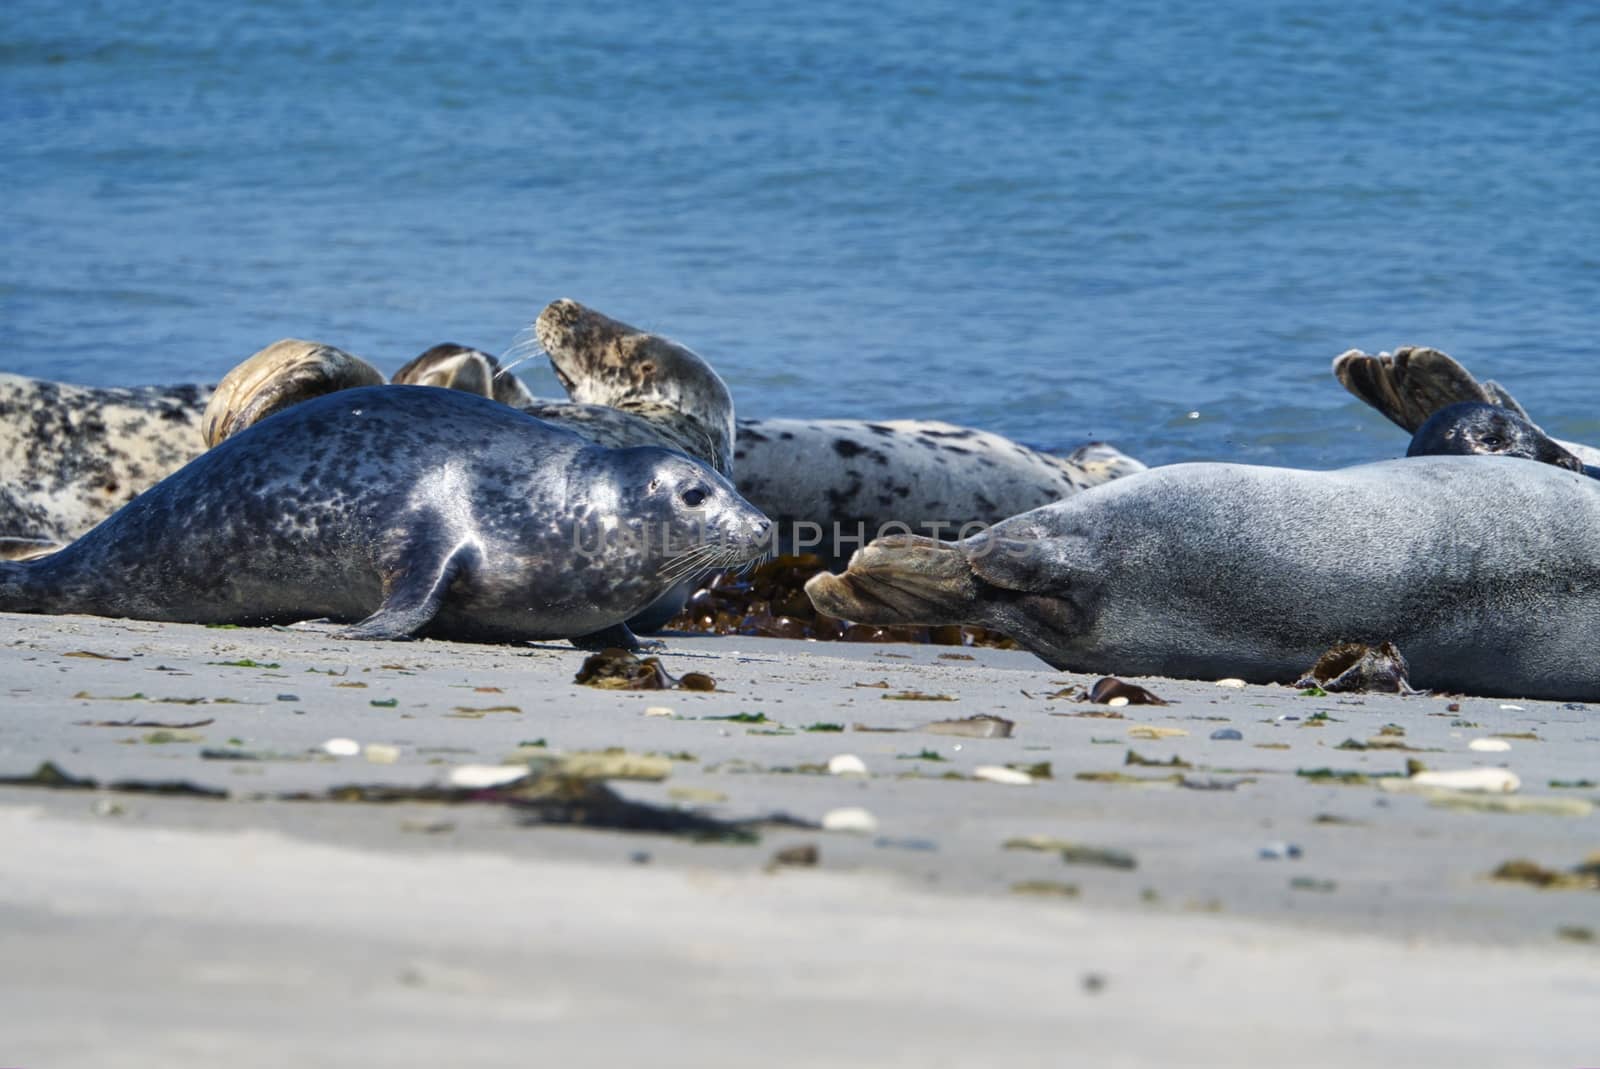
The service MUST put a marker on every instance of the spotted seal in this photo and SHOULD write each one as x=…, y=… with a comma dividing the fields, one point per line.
x=406, y=511
x=1409, y=385
x=1485, y=571
x=72, y=455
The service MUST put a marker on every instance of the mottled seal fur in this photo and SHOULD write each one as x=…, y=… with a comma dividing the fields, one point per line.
x=1473, y=428
x=411, y=511
x=1484, y=571
x=283, y=374
x=842, y=482
x=72, y=455
x=1411, y=384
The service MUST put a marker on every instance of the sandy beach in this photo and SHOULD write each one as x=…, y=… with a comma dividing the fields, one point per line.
x=1156, y=892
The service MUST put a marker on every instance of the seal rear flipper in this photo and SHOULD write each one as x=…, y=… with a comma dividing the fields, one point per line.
x=1414, y=383
x=900, y=579
x=18, y=548
x=413, y=596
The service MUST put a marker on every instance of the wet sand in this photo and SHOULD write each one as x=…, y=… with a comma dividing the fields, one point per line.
x=1225, y=909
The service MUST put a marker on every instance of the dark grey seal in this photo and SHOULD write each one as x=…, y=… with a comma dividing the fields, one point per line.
x=1475, y=428
x=1484, y=571
x=408, y=511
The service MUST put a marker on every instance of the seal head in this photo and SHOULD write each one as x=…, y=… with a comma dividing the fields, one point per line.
x=1474, y=428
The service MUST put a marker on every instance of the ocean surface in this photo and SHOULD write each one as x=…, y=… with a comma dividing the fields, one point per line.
x=1057, y=220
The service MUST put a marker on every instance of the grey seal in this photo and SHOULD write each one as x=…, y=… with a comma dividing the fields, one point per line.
x=1474, y=428
x=1409, y=385
x=1484, y=571
x=405, y=511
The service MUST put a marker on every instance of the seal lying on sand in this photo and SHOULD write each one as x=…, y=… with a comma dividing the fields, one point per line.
x=1485, y=571
x=1413, y=383
x=412, y=511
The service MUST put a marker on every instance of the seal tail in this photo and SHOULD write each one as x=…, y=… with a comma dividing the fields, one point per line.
x=1414, y=383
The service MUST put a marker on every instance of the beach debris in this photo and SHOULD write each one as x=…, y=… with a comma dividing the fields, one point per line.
x=1227, y=735
x=980, y=726
x=1234, y=683
x=1133, y=758
x=615, y=763
x=823, y=726
x=1109, y=688
x=922, y=755
x=477, y=777
x=1520, y=805
x=1001, y=774
x=617, y=669
x=1122, y=778
x=660, y=710
x=1488, y=780
x=803, y=855
x=1213, y=783
x=478, y=712
x=1574, y=784
x=1279, y=851
x=1152, y=732
x=341, y=747
x=1575, y=933
x=1312, y=883
x=96, y=656
x=179, y=725
x=846, y=764
x=919, y=696
x=851, y=819
x=1489, y=745
x=1074, y=853
x=1511, y=709
x=1045, y=888
x=1582, y=877
x=1352, y=667
x=163, y=736
x=697, y=795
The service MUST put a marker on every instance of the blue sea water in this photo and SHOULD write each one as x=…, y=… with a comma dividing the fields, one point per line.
x=1056, y=220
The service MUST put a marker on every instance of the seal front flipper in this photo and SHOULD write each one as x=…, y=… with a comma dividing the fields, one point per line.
x=617, y=636
x=413, y=593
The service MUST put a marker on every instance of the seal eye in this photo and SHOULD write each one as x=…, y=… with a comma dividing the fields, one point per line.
x=1493, y=441
x=694, y=498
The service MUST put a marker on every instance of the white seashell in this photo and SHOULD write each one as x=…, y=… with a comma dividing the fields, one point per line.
x=476, y=776
x=850, y=818
x=1489, y=745
x=1001, y=774
x=1118, y=701
x=1512, y=708
x=1236, y=684
x=1489, y=780
x=381, y=753
x=847, y=764
x=341, y=747
x=659, y=710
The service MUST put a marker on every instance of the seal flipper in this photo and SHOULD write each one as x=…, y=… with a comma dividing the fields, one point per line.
x=413, y=596
x=616, y=636
x=1414, y=383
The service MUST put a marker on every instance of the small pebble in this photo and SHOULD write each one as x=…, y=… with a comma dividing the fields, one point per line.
x=381, y=753
x=851, y=819
x=1227, y=734
x=478, y=776
x=1489, y=745
x=1001, y=774
x=288, y=697
x=846, y=764
x=659, y=710
x=1279, y=851
x=341, y=747
x=640, y=857
x=1236, y=684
